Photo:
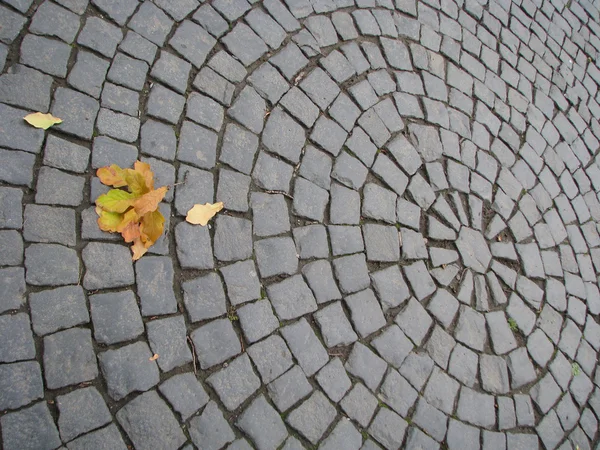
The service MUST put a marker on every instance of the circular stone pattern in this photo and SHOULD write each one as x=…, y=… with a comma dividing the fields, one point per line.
x=408, y=253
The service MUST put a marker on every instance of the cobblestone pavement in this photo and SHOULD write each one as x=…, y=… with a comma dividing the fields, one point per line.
x=409, y=253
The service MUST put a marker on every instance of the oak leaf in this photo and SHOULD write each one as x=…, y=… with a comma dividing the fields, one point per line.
x=201, y=214
x=41, y=120
x=133, y=213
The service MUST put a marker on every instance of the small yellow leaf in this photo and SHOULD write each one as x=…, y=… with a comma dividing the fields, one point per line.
x=151, y=227
x=41, y=120
x=145, y=170
x=201, y=214
x=154, y=357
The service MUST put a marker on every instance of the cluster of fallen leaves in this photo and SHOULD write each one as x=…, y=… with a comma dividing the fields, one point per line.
x=132, y=212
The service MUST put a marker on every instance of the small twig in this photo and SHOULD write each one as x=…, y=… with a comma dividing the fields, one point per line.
x=335, y=354
x=193, y=354
x=280, y=192
x=242, y=343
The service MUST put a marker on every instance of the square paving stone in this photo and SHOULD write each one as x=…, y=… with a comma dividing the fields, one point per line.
x=11, y=209
x=311, y=241
x=204, y=297
x=335, y=326
x=16, y=134
x=149, y=423
x=257, y=320
x=119, y=12
x=334, y=380
x=12, y=243
x=107, y=266
x=88, y=73
x=33, y=425
x=319, y=276
x=359, y=404
x=390, y=287
x=398, y=393
x=194, y=249
x=128, y=72
x=16, y=337
x=239, y=148
x=283, y=136
x=235, y=383
x=388, y=428
x=305, y=346
x=165, y=104
x=172, y=71
x=155, y=285
x=158, y=139
x=316, y=167
x=100, y=36
x=470, y=329
x=211, y=430
x=128, y=369
x=215, y=343
x=271, y=357
x=185, y=393
x=77, y=111
x=249, y=110
x=414, y=321
x=291, y=298
x=47, y=55
x=352, y=273
x=16, y=167
x=242, y=282
x=276, y=256
x=419, y=279
x=272, y=173
x=51, y=265
x=69, y=358
x=310, y=200
x=116, y=317
x=66, y=155
x=81, y=411
x=119, y=126
x=365, y=312
x=289, y=388
x=233, y=238
x=57, y=187
x=214, y=85
x=24, y=87
x=192, y=41
x=366, y=365
x=430, y=419
x=138, y=47
x=382, y=242
x=205, y=111
x=244, y=44
x=152, y=23
x=313, y=417
x=270, y=214
x=344, y=435
x=263, y=424
x=107, y=151
x=268, y=82
x=233, y=189
x=476, y=408
x=12, y=288
x=20, y=384
x=59, y=308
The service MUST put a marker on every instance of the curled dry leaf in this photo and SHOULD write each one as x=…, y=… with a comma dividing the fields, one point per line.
x=133, y=213
x=201, y=214
x=41, y=120
x=154, y=357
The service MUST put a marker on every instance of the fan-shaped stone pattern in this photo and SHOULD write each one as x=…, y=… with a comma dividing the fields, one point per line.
x=409, y=251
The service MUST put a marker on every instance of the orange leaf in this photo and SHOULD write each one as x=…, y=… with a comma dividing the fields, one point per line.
x=131, y=232
x=153, y=357
x=201, y=214
x=151, y=227
x=129, y=217
x=138, y=249
x=111, y=176
x=146, y=172
x=149, y=202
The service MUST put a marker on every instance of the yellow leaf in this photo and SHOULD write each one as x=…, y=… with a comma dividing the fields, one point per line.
x=152, y=227
x=153, y=357
x=116, y=200
x=41, y=120
x=201, y=214
x=144, y=169
x=135, y=182
x=109, y=221
x=128, y=217
x=138, y=249
x=149, y=202
x=112, y=176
